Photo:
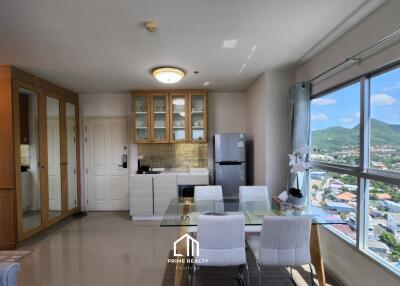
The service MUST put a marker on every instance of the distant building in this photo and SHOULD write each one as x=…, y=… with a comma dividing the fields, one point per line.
x=392, y=206
x=318, y=175
x=345, y=197
x=335, y=184
x=379, y=165
x=378, y=247
x=345, y=229
x=393, y=222
x=339, y=207
x=351, y=187
x=382, y=197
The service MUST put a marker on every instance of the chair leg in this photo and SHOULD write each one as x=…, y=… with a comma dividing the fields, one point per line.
x=193, y=275
x=259, y=274
x=312, y=275
x=240, y=274
x=291, y=275
x=247, y=274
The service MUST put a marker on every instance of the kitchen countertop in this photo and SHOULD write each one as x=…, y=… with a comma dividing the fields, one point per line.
x=190, y=171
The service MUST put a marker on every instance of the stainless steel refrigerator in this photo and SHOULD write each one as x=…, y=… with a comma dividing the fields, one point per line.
x=230, y=162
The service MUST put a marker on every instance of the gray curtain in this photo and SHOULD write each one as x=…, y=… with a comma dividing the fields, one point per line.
x=299, y=112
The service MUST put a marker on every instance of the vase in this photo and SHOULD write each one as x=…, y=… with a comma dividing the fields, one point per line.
x=298, y=203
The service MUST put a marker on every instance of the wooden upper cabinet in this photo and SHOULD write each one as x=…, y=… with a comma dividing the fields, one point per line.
x=141, y=118
x=178, y=116
x=159, y=114
x=197, y=117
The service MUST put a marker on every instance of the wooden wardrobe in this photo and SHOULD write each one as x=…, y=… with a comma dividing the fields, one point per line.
x=39, y=155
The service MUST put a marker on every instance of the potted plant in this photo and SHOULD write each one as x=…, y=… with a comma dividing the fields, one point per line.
x=298, y=164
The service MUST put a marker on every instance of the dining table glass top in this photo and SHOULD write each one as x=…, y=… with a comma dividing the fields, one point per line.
x=185, y=211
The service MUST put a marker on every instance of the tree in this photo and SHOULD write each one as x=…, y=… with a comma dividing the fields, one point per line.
x=395, y=256
x=389, y=239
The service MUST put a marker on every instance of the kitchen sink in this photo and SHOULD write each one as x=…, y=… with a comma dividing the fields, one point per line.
x=148, y=172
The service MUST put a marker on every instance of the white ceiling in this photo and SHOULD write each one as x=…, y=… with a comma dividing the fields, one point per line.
x=100, y=46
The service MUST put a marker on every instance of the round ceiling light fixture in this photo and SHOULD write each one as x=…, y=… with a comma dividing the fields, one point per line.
x=168, y=74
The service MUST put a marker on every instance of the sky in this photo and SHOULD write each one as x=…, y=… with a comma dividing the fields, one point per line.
x=342, y=107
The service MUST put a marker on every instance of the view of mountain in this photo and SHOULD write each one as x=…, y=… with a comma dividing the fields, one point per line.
x=334, y=138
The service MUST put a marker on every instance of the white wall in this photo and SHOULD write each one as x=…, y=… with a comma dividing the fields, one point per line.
x=256, y=129
x=351, y=267
x=379, y=24
x=105, y=105
x=226, y=114
x=268, y=128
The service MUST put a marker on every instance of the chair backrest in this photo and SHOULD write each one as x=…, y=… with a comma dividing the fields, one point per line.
x=208, y=193
x=285, y=241
x=253, y=194
x=221, y=239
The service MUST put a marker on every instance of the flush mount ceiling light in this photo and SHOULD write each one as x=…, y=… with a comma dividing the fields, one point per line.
x=168, y=74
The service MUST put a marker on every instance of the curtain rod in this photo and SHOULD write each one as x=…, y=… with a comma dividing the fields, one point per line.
x=354, y=56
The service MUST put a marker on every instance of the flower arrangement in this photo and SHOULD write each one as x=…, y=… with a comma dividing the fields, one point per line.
x=298, y=164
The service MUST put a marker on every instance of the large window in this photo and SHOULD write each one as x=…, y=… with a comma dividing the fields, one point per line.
x=335, y=126
x=384, y=221
x=385, y=121
x=356, y=162
x=336, y=193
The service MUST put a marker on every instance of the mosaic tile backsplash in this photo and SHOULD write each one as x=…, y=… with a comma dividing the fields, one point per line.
x=174, y=155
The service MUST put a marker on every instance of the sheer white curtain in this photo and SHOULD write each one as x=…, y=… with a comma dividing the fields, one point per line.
x=299, y=108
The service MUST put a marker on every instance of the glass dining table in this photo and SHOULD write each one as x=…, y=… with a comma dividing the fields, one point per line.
x=184, y=212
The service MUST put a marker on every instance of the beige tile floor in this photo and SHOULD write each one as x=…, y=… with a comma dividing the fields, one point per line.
x=104, y=248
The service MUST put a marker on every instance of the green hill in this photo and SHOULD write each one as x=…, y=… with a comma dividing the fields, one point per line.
x=334, y=138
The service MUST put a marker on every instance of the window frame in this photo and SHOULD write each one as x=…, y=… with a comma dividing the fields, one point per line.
x=326, y=92
x=362, y=172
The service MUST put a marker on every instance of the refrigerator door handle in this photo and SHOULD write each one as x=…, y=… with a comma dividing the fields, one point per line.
x=230, y=163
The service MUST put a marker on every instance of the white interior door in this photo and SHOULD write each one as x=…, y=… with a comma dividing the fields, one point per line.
x=106, y=141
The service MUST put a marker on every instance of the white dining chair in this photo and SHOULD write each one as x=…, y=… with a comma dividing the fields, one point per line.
x=208, y=193
x=284, y=241
x=254, y=194
x=250, y=195
x=221, y=243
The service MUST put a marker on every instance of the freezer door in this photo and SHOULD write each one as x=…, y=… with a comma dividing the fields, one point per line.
x=230, y=147
x=230, y=177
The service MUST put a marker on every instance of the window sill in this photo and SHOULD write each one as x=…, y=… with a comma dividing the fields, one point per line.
x=375, y=259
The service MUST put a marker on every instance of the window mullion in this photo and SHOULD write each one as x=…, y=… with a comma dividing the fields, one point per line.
x=363, y=191
x=364, y=124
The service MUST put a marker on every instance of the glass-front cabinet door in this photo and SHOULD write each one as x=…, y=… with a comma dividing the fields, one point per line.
x=53, y=157
x=178, y=117
x=198, y=117
x=159, y=118
x=141, y=118
x=72, y=168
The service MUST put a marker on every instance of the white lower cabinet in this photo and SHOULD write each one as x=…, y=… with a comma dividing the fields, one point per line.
x=165, y=189
x=150, y=195
x=141, y=195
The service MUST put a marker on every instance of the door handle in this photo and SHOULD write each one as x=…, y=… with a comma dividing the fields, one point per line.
x=124, y=161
